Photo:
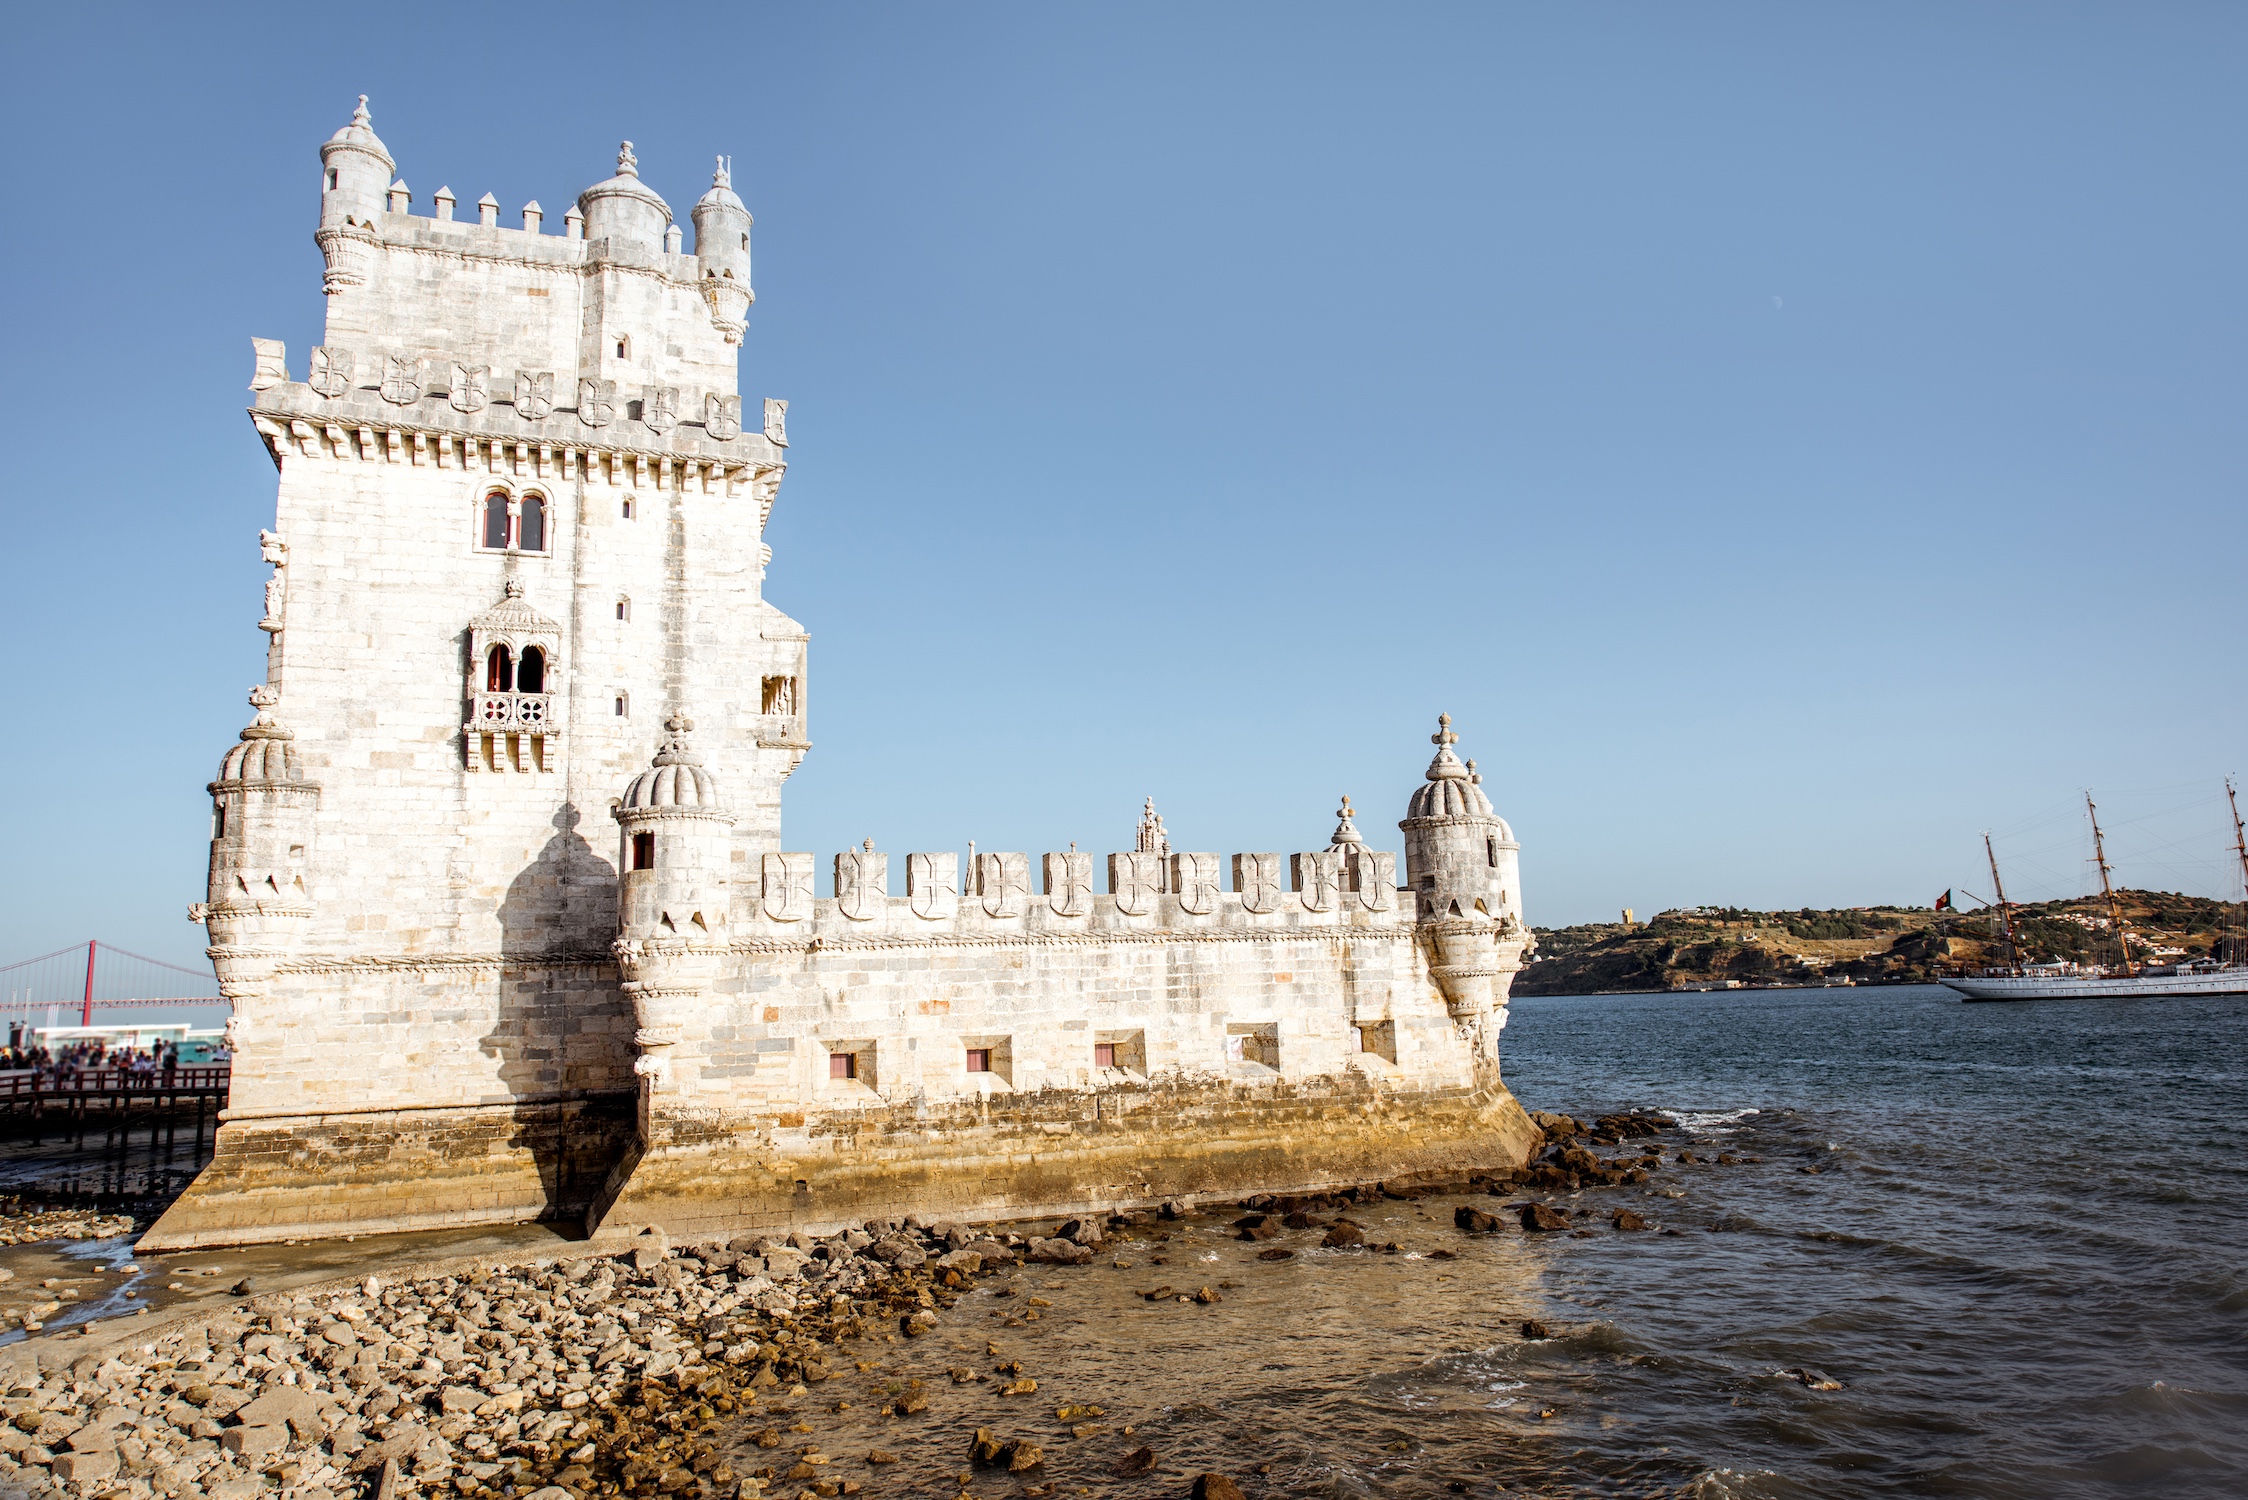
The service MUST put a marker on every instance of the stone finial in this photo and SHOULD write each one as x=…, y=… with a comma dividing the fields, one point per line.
x=265, y=695
x=1346, y=832
x=1446, y=766
x=359, y=116
x=515, y=591
x=444, y=201
x=1153, y=837
x=488, y=211
x=573, y=223
x=533, y=217
x=401, y=197
x=628, y=165
x=1443, y=735
x=724, y=176
x=1473, y=774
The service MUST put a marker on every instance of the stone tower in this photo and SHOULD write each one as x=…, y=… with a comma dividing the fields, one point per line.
x=1462, y=867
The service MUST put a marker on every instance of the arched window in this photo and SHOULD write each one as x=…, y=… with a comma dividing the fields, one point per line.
x=624, y=706
x=495, y=520
x=628, y=507
x=624, y=608
x=499, y=672
x=530, y=676
x=533, y=529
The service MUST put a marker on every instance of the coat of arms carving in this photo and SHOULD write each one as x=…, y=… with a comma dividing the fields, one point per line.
x=1002, y=881
x=597, y=401
x=722, y=417
x=471, y=388
x=1257, y=878
x=932, y=885
x=331, y=371
x=1377, y=880
x=1318, y=874
x=1069, y=884
x=776, y=422
x=788, y=887
x=862, y=879
x=534, y=394
x=403, y=379
x=659, y=407
x=1135, y=880
x=1194, y=877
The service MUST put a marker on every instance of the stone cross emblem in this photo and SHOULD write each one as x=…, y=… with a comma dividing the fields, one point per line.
x=330, y=375
x=659, y=407
x=776, y=422
x=534, y=394
x=722, y=417
x=471, y=388
x=1003, y=881
x=1135, y=879
x=1257, y=878
x=597, y=401
x=1069, y=884
x=862, y=878
x=931, y=885
x=403, y=379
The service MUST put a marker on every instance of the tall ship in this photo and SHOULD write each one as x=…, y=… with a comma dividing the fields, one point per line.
x=2127, y=980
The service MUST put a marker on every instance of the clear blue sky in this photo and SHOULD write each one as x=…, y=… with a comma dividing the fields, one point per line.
x=1788, y=439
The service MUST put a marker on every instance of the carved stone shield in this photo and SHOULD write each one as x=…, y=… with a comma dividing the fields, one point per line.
x=1134, y=879
x=1377, y=880
x=932, y=886
x=331, y=371
x=534, y=394
x=1317, y=875
x=1257, y=878
x=471, y=387
x=1069, y=884
x=862, y=878
x=597, y=401
x=722, y=417
x=1003, y=881
x=776, y=422
x=788, y=887
x=1195, y=878
x=403, y=379
x=659, y=407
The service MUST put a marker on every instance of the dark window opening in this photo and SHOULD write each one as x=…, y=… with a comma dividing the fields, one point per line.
x=218, y=822
x=628, y=509
x=842, y=1065
x=530, y=677
x=1491, y=847
x=495, y=521
x=1104, y=1054
x=332, y=180
x=622, y=706
x=499, y=672
x=624, y=609
x=979, y=1059
x=533, y=529
x=623, y=345
x=643, y=851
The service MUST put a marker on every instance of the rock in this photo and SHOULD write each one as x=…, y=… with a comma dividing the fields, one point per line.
x=551, y=1492
x=1077, y=1411
x=1156, y=1294
x=1474, y=1221
x=99, y=1464
x=1276, y=1254
x=248, y=1488
x=1138, y=1461
x=1216, y=1487
x=1080, y=1231
x=1023, y=1454
x=873, y=1456
x=1817, y=1380
x=1208, y=1297
x=279, y=1406
x=245, y=1286
x=1543, y=1218
x=914, y=1325
x=1058, y=1253
x=1342, y=1232
x=1170, y=1213
x=1533, y=1328
x=1624, y=1218
x=252, y=1442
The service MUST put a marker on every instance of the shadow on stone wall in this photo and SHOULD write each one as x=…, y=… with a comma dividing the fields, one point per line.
x=562, y=1032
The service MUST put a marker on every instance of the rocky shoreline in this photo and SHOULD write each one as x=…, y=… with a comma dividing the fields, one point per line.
x=679, y=1371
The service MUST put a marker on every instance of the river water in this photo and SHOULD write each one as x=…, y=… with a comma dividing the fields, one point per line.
x=2016, y=1234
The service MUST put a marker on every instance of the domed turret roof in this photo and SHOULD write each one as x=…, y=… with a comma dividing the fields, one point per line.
x=626, y=184
x=267, y=752
x=513, y=616
x=1346, y=832
x=721, y=194
x=1452, y=790
x=676, y=777
x=359, y=135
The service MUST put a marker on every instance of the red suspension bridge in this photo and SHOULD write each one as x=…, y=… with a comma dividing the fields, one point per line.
x=95, y=974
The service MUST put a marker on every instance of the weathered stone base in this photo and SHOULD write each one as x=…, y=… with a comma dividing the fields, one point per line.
x=329, y=1175
x=1010, y=1156
x=1061, y=1152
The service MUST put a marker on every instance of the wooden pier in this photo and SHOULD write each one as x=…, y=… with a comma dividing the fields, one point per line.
x=121, y=1098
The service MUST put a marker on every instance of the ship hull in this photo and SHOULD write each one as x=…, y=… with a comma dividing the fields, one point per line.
x=2231, y=981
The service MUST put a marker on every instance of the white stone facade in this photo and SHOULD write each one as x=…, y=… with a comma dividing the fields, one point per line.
x=498, y=882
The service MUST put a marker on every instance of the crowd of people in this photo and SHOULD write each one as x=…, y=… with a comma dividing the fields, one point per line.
x=75, y=1058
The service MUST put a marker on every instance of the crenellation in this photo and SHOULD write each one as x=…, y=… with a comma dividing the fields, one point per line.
x=513, y=826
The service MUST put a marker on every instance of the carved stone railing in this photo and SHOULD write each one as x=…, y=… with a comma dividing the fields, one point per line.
x=512, y=731
x=512, y=713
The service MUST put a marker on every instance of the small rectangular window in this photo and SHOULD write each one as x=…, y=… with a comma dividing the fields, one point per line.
x=1104, y=1054
x=624, y=609
x=620, y=705
x=628, y=508
x=218, y=821
x=842, y=1065
x=643, y=851
x=979, y=1059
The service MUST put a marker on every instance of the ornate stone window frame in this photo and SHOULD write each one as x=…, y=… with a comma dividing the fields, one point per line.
x=516, y=493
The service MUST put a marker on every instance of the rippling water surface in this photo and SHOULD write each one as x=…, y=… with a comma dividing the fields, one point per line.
x=2023, y=1251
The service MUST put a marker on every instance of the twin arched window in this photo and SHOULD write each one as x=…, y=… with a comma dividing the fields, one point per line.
x=504, y=674
x=522, y=531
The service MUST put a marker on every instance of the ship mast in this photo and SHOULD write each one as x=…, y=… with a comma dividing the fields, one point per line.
x=2239, y=844
x=2005, y=907
x=2099, y=856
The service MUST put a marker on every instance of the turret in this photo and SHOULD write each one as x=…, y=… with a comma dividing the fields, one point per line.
x=1460, y=864
x=722, y=254
x=262, y=810
x=355, y=173
x=624, y=209
x=674, y=850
